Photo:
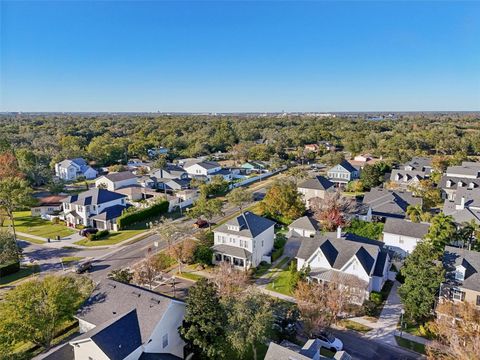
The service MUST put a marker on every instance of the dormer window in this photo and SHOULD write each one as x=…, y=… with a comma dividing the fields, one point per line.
x=449, y=183
x=234, y=227
x=471, y=185
x=460, y=184
x=460, y=273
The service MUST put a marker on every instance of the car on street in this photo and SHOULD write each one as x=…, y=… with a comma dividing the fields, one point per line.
x=200, y=224
x=83, y=266
x=330, y=342
x=85, y=232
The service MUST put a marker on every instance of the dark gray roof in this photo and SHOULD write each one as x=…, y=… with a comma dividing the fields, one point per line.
x=389, y=202
x=61, y=352
x=118, y=337
x=110, y=213
x=233, y=251
x=318, y=183
x=405, y=228
x=470, y=209
x=420, y=163
x=455, y=180
x=250, y=225
x=470, y=260
x=94, y=197
x=305, y=223
x=380, y=264
x=347, y=166
x=407, y=175
x=339, y=251
x=158, y=356
x=205, y=164
x=120, y=176
x=278, y=352
x=221, y=172
x=111, y=298
x=467, y=168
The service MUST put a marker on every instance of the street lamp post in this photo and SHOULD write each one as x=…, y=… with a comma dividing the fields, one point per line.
x=401, y=322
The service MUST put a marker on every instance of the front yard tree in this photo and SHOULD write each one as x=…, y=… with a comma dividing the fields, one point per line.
x=35, y=310
x=206, y=208
x=423, y=275
x=441, y=232
x=249, y=321
x=203, y=327
x=371, y=176
x=182, y=252
x=15, y=193
x=9, y=250
x=147, y=270
x=331, y=211
x=283, y=200
x=239, y=197
x=228, y=280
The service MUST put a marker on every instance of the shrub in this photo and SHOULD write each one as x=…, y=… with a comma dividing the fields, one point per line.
x=277, y=253
x=128, y=218
x=203, y=255
x=55, y=220
x=99, y=235
x=79, y=227
x=163, y=261
x=376, y=297
x=366, y=229
x=370, y=308
x=9, y=268
x=280, y=241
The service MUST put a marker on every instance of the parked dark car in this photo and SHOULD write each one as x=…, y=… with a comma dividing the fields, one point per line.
x=200, y=223
x=85, y=232
x=83, y=266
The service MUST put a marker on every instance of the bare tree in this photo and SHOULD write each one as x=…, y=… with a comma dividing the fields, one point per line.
x=332, y=210
x=183, y=252
x=146, y=271
x=170, y=231
x=457, y=327
x=228, y=280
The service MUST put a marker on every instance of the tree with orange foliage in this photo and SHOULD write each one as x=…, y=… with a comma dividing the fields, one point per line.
x=457, y=327
x=9, y=166
x=228, y=280
x=331, y=211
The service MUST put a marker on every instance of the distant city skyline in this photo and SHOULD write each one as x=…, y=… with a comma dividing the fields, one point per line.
x=207, y=57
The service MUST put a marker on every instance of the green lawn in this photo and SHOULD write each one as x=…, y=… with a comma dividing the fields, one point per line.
x=281, y=283
x=353, y=325
x=28, y=224
x=262, y=269
x=111, y=239
x=411, y=345
x=19, y=275
x=70, y=259
x=189, y=276
x=30, y=240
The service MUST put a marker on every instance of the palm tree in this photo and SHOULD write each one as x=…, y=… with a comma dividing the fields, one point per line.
x=415, y=212
x=467, y=233
x=442, y=231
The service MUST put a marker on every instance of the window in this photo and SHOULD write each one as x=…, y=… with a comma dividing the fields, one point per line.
x=218, y=257
x=164, y=341
x=458, y=295
x=478, y=300
x=262, y=243
x=460, y=273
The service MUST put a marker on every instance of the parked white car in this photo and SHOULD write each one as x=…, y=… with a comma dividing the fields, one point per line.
x=328, y=341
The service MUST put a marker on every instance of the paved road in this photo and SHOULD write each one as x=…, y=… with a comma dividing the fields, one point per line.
x=361, y=348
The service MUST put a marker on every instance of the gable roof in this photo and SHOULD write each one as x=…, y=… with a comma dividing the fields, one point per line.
x=304, y=223
x=250, y=225
x=470, y=260
x=346, y=165
x=111, y=298
x=120, y=176
x=407, y=175
x=390, y=202
x=317, y=183
x=278, y=352
x=454, y=180
x=339, y=251
x=405, y=228
x=110, y=213
x=118, y=337
x=419, y=163
x=468, y=168
x=204, y=164
x=93, y=197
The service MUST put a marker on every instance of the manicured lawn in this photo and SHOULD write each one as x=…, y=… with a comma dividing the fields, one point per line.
x=69, y=259
x=189, y=276
x=113, y=238
x=262, y=269
x=353, y=325
x=19, y=275
x=281, y=283
x=30, y=240
x=28, y=224
x=412, y=345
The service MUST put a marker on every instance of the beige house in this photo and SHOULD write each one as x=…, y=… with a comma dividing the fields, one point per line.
x=315, y=188
x=462, y=282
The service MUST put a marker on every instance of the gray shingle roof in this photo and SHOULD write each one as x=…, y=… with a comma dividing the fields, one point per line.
x=93, y=197
x=405, y=228
x=304, y=223
x=455, y=180
x=317, y=183
x=471, y=208
x=117, y=337
x=407, y=175
x=339, y=251
x=453, y=257
x=420, y=163
x=233, y=251
x=389, y=202
x=120, y=176
x=110, y=213
x=468, y=168
x=111, y=298
x=251, y=225
x=278, y=352
x=158, y=356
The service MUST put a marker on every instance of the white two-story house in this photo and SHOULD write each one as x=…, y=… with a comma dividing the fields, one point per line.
x=72, y=169
x=117, y=180
x=202, y=168
x=315, y=188
x=98, y=208
x=244, y=241
x=345, y=259
x=343, y=173
x=402, y=236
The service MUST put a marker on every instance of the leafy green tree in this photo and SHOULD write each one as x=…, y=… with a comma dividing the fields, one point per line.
x=217, y=186
x=239, y=197
x=121, y=275
x=371, y=176
x=429, y=193
x=283, y=202
x=469, y=234
x=414, y=213
x=423, y=274
x=56, y=186
x=442, y=231
x=160, y=162
x=206, y=208
x=34, y=310
x=203, y=327
x=15, y=193
x=106, y=150
x=366, y=229
x=9, y=250
x=250, y=318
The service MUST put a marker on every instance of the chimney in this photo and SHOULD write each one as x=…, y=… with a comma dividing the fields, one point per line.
x=462, y=202
x=339, y=232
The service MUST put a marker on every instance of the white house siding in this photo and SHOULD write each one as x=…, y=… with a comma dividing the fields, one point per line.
x=403, y=245
x=90, y=173
x=377, y=283
x=135, y=355
x=84, y=326
x=233, y=240
x=168, y=325
x=196, y=169
x=317, y=260
x=87, y=350
x=354, y=267
x=93, y=210
x=300, y=232
x=112, y=186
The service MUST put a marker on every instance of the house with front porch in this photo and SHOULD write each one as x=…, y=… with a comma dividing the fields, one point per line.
x=72, y=169
x=345, y=259
x=244, y=241
x=316, y=187
x=98, y=208
x=343, y=173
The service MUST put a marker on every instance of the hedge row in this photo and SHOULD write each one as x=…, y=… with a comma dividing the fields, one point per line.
x=98, y=235
x=10, y=268
x=129, y=218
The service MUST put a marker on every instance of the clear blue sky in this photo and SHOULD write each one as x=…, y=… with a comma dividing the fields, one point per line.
x=239, y=56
